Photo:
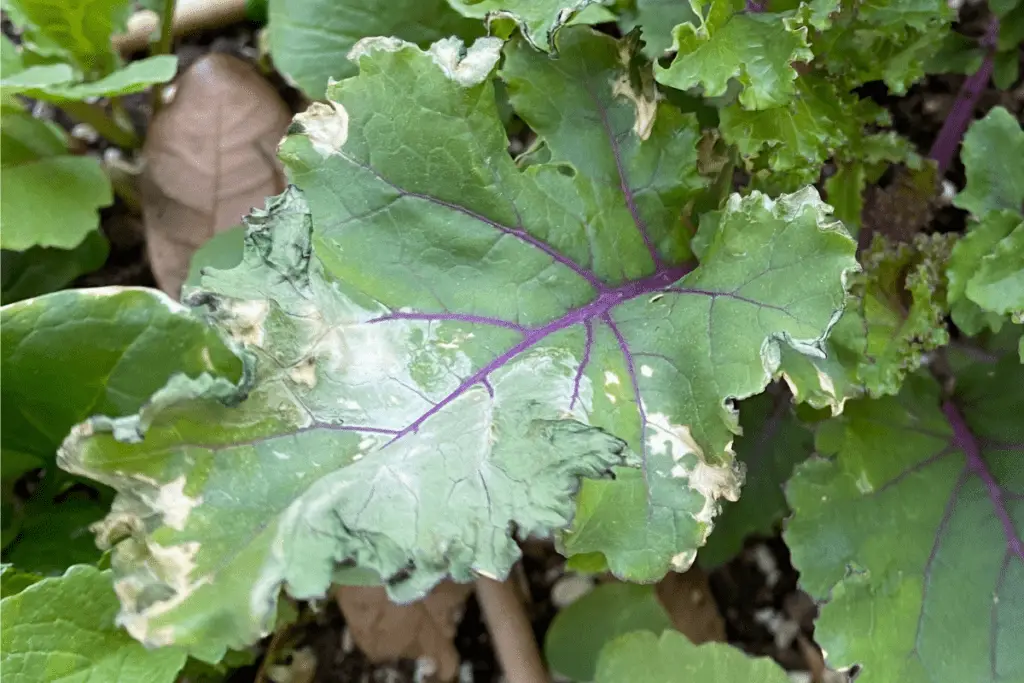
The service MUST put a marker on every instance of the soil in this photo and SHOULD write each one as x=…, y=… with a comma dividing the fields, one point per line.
x=757, y=594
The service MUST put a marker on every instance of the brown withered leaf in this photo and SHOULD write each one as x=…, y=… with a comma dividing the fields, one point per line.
x=903, y=208
x=690, y=605
x=210, y=156
x=385, y=631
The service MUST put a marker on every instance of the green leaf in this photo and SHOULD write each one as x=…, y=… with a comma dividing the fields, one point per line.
x=957, y=54
x=62, y=629
x=54, y=532
x=994, y=180
x=538, y=20
x=39, y=270
x=772, y=443
x=605, y=119
x=984, y=273
x=845, y=192
x=998, y=284
x=803, y=133
x=908, y=526
x=756, y=49
x=77, y=31
x=1006, y=69
x=136, y=77
x=223, y=251
x=581, y=630
x=437, y=320
x=895, y=318
x=864, y=161
x=656, y=19
x=898, y=333
x=888, y=40
x=310, y=40
x=646, y=658
x=13, y=581
x=829, y=382
x=128, y=343
x=50, y=197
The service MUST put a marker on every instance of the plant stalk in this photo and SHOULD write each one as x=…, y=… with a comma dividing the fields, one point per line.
x=959, y=118
x=163, y=45
x=511, y=633
x=104, y=124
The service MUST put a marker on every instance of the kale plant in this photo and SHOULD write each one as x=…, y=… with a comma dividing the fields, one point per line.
x=641, y=333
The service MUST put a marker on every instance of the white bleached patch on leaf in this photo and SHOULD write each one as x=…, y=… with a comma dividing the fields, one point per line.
x=645, y=103
x=712, y=482
x=466, y=67
x=172, y=503
x=326, y=126
x=243, y=320
x=364, y=46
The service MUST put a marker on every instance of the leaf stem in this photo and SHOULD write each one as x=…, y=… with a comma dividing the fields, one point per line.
x=268, y=654
x=511, y=633
x=103, y=123
x=960, y=115
x=162, y=46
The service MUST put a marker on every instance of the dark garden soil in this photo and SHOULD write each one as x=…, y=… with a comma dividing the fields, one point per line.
x=764, y=612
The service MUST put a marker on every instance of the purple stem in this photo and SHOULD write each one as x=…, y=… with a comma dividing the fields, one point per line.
x=964, y=439
x=754, y=7
x=959, y=118
x=583, y=364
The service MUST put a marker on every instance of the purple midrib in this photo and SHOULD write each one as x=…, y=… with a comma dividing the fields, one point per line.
x=964, y=439
x=596, y=309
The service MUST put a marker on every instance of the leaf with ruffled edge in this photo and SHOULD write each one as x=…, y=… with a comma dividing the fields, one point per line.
x=756, y=49
x=443, y=345
x=909, y=530
x=538, y=20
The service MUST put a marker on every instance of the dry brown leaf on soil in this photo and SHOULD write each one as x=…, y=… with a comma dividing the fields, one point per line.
x=210, y=156
x=691, y=607
x=385, y=631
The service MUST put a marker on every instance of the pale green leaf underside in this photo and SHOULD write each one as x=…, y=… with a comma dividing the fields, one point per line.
x=134, y=78
x=62, y=630
x=643, y=657
x=444, y=345
x=913, y=537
